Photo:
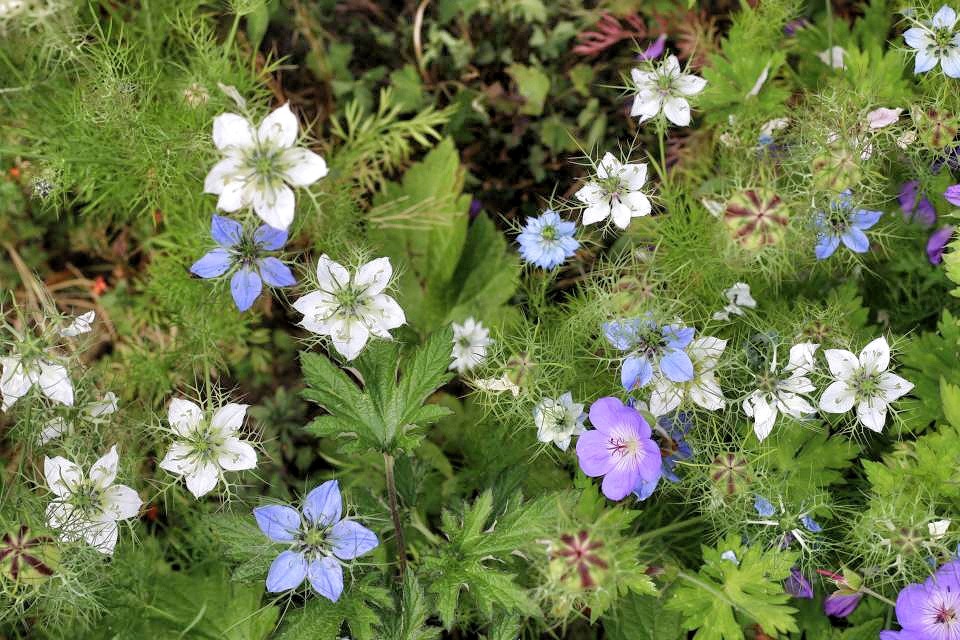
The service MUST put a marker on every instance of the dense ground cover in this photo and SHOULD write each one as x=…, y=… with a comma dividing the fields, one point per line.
x=480, y=318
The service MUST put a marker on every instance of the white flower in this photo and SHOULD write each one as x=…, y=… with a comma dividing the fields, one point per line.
x=615, y=193
x=739, y=298
x=938, y=529
x=715, y=207
x=53, y=430
x=772, y=126
x=665, y=88
x=103, y=407
x=350, y=309
x=864, y=382
x=780, y=393
x=259, y=164
x=88, y=508
x=498, y=385
x=558, y=420
x=470, y=342
x=206, y=448
x=883, y=117
x=936, y=42
x=730, y=556
x=80, y=324
x=19, y=374
x=703, y=390
x=59, y=426
x=833, y=57
x=907, y=139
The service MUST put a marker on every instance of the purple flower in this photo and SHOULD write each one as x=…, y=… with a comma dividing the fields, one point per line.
x=937, y=243
x=952, y=195
x=650, y=344
x=841, y=604
x=619, y=448
x=916, y=206
x=673, y=447
x=797, y=585
x=655, y=50
x=793, y=26
x=843, y=223
x=930, y=611
x=244, y=254
x=319, y=538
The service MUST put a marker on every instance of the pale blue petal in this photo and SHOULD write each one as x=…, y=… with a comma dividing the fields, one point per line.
x=763, y=507
x=810, y=524
x=945, y=18
x=279, y=522
x=213, y=264
x=324, y=505
x=864, y=219
x=676, y=366
x=924, y=62
x=645, y=488
x=326, y=577
x=856, y=240
x=826, y=245
x=951, y=63
x=351, y=539
x=275, y=273
x=270, y=239
x=678, y=337
x=287, y=572
x=916, y=37
x=637, y=372
x=225, y=232
x=245, y=285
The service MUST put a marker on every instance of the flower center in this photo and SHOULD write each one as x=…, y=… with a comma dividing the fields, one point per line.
x=946, y=615
x=618, y=446
x=549, y=233
x=86, y=498
x=866, y=385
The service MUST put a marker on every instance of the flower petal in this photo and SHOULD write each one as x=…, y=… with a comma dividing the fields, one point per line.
x=689, y=84
x=837, y=398
x=894, y=386
x=102, y=536
x=275, y=206
x=120, y=502
x=374, y=276
x=323, y=505
x=14, y=381
x=842, y=363
x=676, y=366
x=287, y=572
x=225, y=232
x=233, y=196
x=677, y=110
x=619, y=482
x=944, y=18
x=279, y=128
x=232, y=131
x=54, y=382
x=202, y=479
x=349, y=337
x=245, y=286
x=62, y=475
x=278, y=522
x=229, y=418
x=237, y=455
x=303, y=167
x=183, y=416
x=826, y=246
x=213, y=264
x=872, y=413
x=104, y=471
x=855, y=240
x=179, y=459
x=636, y=372
x=593, y=453
x=875, y=357
x=351, y=540
x=222, y=174
x=326, y=578
x=269, y=239
x=331, y=276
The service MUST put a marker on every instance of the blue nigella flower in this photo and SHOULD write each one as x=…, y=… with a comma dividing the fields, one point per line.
x=672, y=429
x=547, y=241
x=843, y=223
x=764, y=507
x=650, y=345
x=319, y=538
x=245, y=254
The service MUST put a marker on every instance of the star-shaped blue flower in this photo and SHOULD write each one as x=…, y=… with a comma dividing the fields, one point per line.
x=547, y=241
x=843, y=223
x=650, y=345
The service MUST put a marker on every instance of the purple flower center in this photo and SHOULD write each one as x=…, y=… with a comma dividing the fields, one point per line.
x=619, y=446
x=945, y=615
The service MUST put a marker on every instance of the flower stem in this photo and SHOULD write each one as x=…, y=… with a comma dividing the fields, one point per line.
x=673, y=526
x=228, y=43
x=388, y=462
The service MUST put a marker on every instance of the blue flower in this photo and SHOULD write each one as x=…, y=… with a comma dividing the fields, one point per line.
x=650, y=345
x=319, y=538
x=843, y=223
x=764, y=507
x=673, y=447
x=244, y=254
x=547, y=241
x=810, y=524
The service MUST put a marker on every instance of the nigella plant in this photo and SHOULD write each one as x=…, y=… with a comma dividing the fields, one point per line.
x=246, y=255
x=319, y=539
x=936, y=42
x=651, y=348
x=547, y=241
x=842, y=222
x=774, y=517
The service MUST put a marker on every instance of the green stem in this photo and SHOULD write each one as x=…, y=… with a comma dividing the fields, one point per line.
x=388, y=462
x=228, y=43
x=874, y=594
x=682, y=524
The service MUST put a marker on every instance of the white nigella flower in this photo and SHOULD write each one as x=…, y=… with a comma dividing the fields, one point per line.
x=20, y=372
x=864, y=382
x=259, y=164
x=81, y=324
x=739, y=298
x=558, y=420
x=615, y=193
x=89, y=507
x=665, y=88
x=206, y=448
x=936, y=42
x=938, y=529
x=780, y=392
x=350, y=309
x=95, y=410
x=703, y=389
x=470, y=342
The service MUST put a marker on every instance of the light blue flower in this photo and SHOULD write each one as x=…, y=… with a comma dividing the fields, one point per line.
x=547, y=241
x=936, y=42
x=650, y=345
x=319, y=538
x=843, y=223
x=764, y=507
x=245, y=254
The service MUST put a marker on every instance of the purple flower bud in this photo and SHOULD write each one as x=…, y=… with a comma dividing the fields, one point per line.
x=952, y=194
x=793, y=26
x=655, y=50
x=797, y=585
x=937, y=243
x=916, y=206
x=840, y=604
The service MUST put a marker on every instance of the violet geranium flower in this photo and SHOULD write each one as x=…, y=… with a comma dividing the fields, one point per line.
x=245, y=254
x=915, y=205
x=319, y=538
x=937, y=243
x=619, y=448
x=930, y=610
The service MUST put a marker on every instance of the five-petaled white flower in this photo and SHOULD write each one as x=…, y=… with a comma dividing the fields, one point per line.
x=558, y=420
x=259, y=164
x=88, y=508
x=864, y=382
x=781, y=392
x=739, y=298
x=206, y=448
x=350, y=309
x=938, y=41
x=470, y=342
x=19, y=373
x=665, y=88
x=703, y=389
x=615, y=193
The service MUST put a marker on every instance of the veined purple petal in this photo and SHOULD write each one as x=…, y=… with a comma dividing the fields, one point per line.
x=270, y=239
x=225, y=232
x=351, y=539
x=213, y=264
x=324, y=505
x=797, y=585
x=952, y=195
x=287, y=572
x=275, y=273
x=278, y=522
x=840, y=605
x=245, y=285
x=326, y=578
x=855, y=240
x=676, y=366
x=637, y=372
x=826, y=245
